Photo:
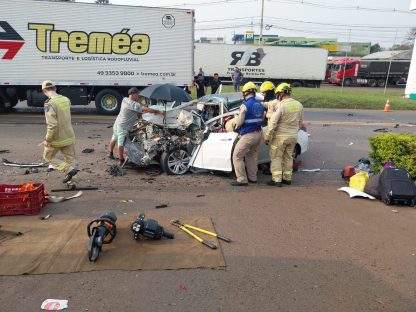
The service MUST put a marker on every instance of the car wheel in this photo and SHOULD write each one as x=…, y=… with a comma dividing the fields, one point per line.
x=175, y=162
x=108, y=102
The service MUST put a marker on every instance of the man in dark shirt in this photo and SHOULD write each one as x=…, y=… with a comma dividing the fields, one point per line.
x=200, y=86
x=215, y=83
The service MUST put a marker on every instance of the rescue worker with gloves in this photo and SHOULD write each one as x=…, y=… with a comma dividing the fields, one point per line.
x=269, y=102
x=60, y=136
x=249, y=123
x=281, y=135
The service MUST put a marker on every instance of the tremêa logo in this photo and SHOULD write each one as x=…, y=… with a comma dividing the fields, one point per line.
x=49, y=39
x=10, y=41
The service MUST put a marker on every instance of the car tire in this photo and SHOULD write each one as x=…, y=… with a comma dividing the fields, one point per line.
x=175, y=162
x=108, y=102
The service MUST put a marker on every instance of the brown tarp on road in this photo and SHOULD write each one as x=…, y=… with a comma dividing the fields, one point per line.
x=60, y=246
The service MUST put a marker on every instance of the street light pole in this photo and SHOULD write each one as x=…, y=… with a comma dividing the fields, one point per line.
x=261, y=22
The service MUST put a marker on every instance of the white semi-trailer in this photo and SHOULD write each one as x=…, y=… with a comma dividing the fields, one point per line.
x=300, y=66
x=90, y=51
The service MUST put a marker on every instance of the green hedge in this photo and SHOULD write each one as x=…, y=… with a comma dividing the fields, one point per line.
x=400, y=148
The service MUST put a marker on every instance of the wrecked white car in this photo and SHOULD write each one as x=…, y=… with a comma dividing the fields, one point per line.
x=193, y=134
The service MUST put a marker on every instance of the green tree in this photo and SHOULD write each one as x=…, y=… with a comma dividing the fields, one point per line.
x=408, y=43
x=375, y=48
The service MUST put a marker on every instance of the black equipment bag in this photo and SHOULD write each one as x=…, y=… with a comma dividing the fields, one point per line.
x=372, y=186
x=397, y=187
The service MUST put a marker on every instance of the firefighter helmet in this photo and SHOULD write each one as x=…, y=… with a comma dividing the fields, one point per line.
x=266, y=86
x=249, y=87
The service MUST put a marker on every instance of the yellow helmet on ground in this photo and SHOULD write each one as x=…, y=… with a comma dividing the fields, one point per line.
x=266, y=86
x=283, y=87
x=249, y=87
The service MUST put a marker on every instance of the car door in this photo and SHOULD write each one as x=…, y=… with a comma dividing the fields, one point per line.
x=215, y=152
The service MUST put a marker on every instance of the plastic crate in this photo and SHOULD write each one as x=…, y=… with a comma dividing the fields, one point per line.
x=13, y=202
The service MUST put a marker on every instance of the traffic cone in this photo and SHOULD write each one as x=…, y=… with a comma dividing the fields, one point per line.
x=387, y=108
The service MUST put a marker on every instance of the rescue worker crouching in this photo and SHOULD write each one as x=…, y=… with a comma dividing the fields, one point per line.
x=281, y=135
x=60, y=135
x=249, y=123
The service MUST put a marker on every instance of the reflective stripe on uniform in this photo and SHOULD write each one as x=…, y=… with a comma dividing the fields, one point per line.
x=63, y=142
x=286, y=135
x=253, y=120
x=273, y=147
x=276, y=172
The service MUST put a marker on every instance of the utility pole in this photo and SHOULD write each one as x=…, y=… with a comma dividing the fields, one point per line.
x=261, y=22
x=391, y=59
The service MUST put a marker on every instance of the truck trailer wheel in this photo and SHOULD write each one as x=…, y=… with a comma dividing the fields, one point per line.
x=296, y=84
x=347, y=82
x=381, y=83
x=372, y=83
x=108, y=102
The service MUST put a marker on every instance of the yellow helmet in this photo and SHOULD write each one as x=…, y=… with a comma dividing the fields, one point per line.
x=266, y=86
x=283, y=87
x=249, y=86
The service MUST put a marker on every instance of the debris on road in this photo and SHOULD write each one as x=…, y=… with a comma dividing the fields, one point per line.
x=115, y=171
x=396, y=126
x=162, y=206
x=182, y=286
x=73, y=187
x=351, y=143
x=350, y=114
x=355, y=193
x=22, y=165
x=382, y=130
x=31, y=170
x=4, y=151
x=59, y=199
x=326, y=125
x=126, y=201
x=200, y=195
x=88, y=150
x=395, y=211
x=46, y=217
x=54, y=304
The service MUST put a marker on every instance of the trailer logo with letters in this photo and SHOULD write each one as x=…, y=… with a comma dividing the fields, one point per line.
x=249, y=57
x=10, y=41
x=52, y=39
x=168, y=21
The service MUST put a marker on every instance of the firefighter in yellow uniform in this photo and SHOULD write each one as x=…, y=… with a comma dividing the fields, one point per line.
x=270, y=102
x=281, y=135
x=60, y=136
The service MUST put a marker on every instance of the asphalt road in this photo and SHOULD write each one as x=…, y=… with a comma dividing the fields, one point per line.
x=306, y=247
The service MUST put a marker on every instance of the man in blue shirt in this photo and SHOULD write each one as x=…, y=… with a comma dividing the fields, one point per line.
x=249, y=122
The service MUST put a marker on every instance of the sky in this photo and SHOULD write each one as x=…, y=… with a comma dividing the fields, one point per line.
x=375, y=21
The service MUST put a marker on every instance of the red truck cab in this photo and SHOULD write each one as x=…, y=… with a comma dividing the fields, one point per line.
x=346, y=70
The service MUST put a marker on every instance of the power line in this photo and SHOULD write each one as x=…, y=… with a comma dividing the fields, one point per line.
x=342, y=25
x=327, y=6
